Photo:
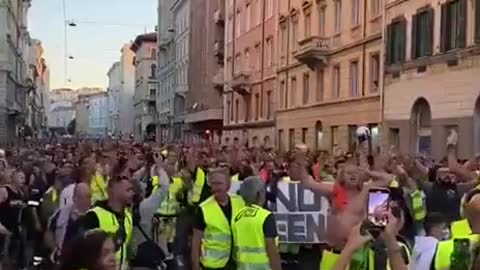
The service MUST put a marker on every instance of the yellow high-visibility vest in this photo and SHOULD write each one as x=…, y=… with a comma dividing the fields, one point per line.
x=443, y=255
x=217, y=237
x=170, y=205
x=250, y=252
x=462, y=202
x=460, y=228
x=418, y=205
x=108, y=223
x=98, y=186
x=198, y=185
x=235, y=177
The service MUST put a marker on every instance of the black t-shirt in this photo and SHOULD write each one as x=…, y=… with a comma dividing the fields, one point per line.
x=72, y=231
x=444, y=199
x=381, y=256
x=199, y=221
x=11, y=212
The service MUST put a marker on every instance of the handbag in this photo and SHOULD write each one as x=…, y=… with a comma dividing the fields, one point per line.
x=149, y=254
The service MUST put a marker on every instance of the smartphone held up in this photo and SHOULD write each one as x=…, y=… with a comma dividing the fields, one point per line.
x=378, y=207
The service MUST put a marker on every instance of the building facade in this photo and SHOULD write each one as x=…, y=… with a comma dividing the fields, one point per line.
x=328, y=72
x=14, y=80
x=250, y=71
x=82, y=115
x=431, y=75
x=98, y=114
x=62, y=112
x=146, y=83
x=181, y=37
x=113, y=92
x=166, y=71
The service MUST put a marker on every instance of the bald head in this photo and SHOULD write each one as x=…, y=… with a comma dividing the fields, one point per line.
x=82, y=197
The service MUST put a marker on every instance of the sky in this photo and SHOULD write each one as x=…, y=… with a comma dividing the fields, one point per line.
x=103, y=26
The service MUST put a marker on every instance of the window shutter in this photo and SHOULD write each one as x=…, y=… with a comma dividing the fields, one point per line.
x=403, y=36
x=462, y=23
x=388, y=49
x=414, y=37
x=477, y=21
x=429, y=30
x=443, y=32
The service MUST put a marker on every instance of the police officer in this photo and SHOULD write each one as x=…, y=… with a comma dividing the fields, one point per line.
x=254, y=230
x=212, y=226
x=112, y=215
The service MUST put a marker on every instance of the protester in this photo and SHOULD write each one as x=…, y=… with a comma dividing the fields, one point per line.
x=95, y=250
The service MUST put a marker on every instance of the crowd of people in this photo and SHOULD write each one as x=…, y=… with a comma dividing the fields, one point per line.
x=106, y=205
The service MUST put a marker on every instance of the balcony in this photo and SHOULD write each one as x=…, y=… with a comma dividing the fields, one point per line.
x=218, y=80
x=218, y=17
x=241, y=83
x=313, y=51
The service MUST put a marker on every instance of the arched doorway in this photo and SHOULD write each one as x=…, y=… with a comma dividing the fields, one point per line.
x=318, y=135
x=476, y=126
x=421, y=118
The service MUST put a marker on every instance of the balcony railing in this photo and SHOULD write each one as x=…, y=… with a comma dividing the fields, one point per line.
x=241, y=83
x=313, y=51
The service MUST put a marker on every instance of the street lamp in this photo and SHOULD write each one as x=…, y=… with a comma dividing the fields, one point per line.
x=71, y=57
x=72, y=24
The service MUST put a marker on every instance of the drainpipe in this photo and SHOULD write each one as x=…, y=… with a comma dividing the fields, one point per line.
x=381, y=84
x=364, y=35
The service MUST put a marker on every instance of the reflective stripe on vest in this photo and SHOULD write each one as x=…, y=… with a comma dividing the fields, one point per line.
x=217, y=237
x=170, y=205
x=445, y=249
x=418, y=205
x=198, y=185
x=250, y=252
x=98, y=185
x=460, y=228
x=235, y=177
x=53, y=193
x=108, y=223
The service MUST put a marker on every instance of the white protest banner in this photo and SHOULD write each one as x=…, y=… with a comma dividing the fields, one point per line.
x=300, y=214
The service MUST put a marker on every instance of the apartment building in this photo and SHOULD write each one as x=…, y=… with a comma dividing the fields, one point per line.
x=203, y=103
x=181, y=19
x=98, y=114
x=432, y=75
x=250, y=71
x=146, y=84
x=328, y=72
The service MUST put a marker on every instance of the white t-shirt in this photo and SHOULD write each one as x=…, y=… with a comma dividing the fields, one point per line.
x=66, y=197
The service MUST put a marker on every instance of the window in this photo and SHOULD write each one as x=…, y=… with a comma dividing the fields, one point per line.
x=153, y=71
x=269, y=104
x=354, y=78
x=282, y=95
x=304, y=135
x=231, y=110
x=294, y=35
x=334, y=131
x=247, y=60
x=422, y=34
x=280, y=140
x=308, y=22
x=338, y=15
x=336, y=81
x=320, y=85
x=396, y=41
x=238, y=64
x=283, y=41
x=394, y=137
x=453, y=25
x=291, y=138
x=355, y=12
x=376, y=4
x=293, y=90
x=228, y=111
x=306, y=87
x=269, y=7
x=352, y=137
x=374, y=72
x=248, y=107
x=236, y=110
x=153, y=92
x=257, y=106
x=154, y=53
x=237, y=24
x=259, y=11
x=477, y=21
x=258, y=56
x=321, y=17
x=268, y=55
x=248, y=15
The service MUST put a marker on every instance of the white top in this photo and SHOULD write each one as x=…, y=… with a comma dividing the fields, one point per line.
x=66, y=197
